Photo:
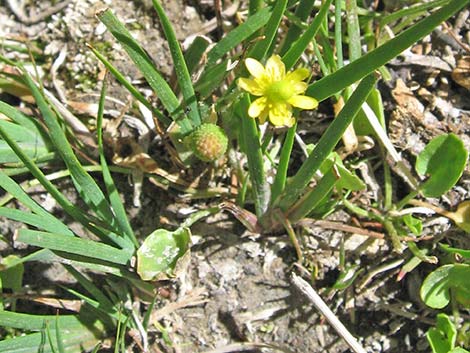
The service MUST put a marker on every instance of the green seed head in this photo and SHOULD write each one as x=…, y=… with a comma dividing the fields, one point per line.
x=208, y=142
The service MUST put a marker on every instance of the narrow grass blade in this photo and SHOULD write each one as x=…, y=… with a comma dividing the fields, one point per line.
x=252, y=146
x=90, y=287
x=194, y=54
x=32, y=219
x=147, y=68
x=130, y=87
x=314, y=197
x=412, y=10
x=182, y=73
x=75, y=212
x=302, y=12
x=281, y=174
x=85, y=184
x=77, y=332
x=114, y=198
x=10, y=186
x=261, y=48
x=354, y=31
x=326, y=144
x=238, y=35
x=59, y=339
x=74, y=245
x=358, y=69
x=291, y=57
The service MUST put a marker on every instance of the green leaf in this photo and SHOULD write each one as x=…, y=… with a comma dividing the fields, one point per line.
x=464, y=253
x=147, y=68
x=435, y=288
x=442, y=337
x=238, y=35
x=30, y=141
x=78, y=332
x=291, y=57
x=74, y=245
x=261, y=48
x=348, y=74
x=326, y=144
x=443, y=160
x=413, y=224
x=162, y=253
x=181, y=70
x=195, y=52
x=12, y=277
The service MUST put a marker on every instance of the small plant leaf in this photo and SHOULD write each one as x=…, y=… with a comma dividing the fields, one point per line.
x=414, y=224
x=436, y=287
x=442, y=337
x=464, y=253
x=162, y=253
x=443, y=159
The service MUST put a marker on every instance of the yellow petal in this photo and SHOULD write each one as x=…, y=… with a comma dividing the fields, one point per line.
x=255, y=68
x=280, y=115
x=257, y=107
x=303, y=102
x=299, y=87
x=298, y=75
x=275, y=68
x=250, y=86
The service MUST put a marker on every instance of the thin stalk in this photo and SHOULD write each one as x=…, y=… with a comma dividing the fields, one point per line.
x=338, y=34
x=281, y=174
x=290, y=231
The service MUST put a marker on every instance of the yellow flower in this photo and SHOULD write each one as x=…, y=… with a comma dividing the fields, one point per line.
x=278, y=92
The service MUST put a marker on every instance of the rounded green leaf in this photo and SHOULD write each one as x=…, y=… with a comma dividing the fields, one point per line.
x=161, y=253
x=443, y=160
x=435, y=291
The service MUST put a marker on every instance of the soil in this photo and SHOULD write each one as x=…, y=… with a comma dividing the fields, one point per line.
x=238, y=287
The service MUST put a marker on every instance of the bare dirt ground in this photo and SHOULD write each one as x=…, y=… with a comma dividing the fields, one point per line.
x=238, y=288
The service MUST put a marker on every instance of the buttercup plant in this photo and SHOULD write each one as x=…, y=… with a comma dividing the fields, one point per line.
x=271, y=83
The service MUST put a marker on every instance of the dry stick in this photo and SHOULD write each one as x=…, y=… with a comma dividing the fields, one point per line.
x=318, y=302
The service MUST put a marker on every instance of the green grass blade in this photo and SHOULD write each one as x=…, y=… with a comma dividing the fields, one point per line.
x=38, y=221
x=302, y=12
x=326, y=144
x=130, y=87
x=114, y=198
x=412, y=10
x=182, y=73
x=354, y=31
x=238, y=35
x=90, y=287
x=366, y=64
x=58, y=334
x=76, y=335
x=314, y=197
x=147, y=68
x=261, y=48
x=85, y=184
x=338, y=34
x=194, y=54
x=74, y=245
x=254, y=154
x=281, y=173
x=10, y=186
x=291, y=57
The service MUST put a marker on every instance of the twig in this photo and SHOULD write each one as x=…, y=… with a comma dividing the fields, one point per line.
x=318, y=302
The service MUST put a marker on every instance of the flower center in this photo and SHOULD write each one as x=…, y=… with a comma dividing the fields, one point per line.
x=279, y=92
